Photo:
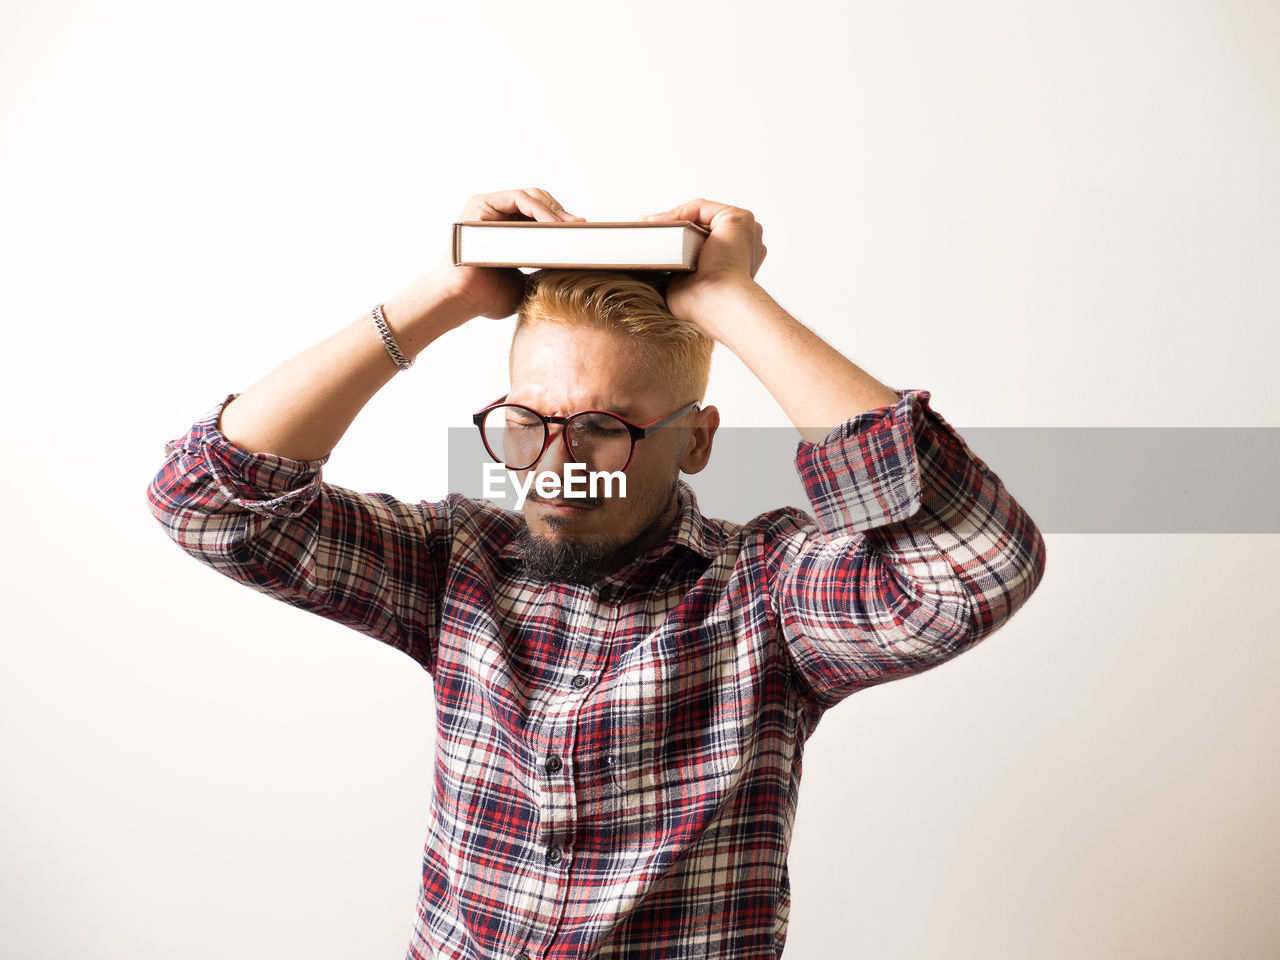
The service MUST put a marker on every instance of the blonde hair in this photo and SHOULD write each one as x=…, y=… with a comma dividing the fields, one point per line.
x=628, y=302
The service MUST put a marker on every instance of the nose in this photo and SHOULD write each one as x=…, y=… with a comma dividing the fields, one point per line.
x=557, y=453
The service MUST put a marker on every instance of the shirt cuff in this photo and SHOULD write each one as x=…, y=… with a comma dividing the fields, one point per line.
x=262, y=483
x=864, y=473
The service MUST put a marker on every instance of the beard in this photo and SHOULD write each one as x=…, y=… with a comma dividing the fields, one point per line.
x=583, y=562
x=563, y=561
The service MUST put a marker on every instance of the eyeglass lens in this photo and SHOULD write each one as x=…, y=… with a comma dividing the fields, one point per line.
x=516, y=436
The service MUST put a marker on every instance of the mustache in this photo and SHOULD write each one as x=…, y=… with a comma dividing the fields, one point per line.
x=566, y=501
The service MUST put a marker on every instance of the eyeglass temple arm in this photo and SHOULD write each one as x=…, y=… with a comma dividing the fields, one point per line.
x=659, y=424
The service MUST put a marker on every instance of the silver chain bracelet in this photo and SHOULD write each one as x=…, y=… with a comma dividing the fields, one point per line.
x=388, y=340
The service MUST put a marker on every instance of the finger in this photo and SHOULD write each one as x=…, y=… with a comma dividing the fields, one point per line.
x=551, y=203
x=698, y=210
x=532, y=206
x=502, y=204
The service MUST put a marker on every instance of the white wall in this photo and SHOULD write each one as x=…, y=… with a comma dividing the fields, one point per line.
x=1052, y=214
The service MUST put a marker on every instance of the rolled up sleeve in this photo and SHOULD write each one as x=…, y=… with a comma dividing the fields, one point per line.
x=368, y=561
x=915, y=553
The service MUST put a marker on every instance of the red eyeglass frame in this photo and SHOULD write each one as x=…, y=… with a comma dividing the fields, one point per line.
x=637, y=432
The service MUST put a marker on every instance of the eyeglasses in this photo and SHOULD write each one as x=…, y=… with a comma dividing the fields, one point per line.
x=518, y=436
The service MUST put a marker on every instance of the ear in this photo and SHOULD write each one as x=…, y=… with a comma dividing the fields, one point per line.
x=703, y=430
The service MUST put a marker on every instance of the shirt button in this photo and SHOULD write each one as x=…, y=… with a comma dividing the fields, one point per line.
x=580, y=681
x=553, y=854
x=522, y=956
x=553, y=764
x=606, y=594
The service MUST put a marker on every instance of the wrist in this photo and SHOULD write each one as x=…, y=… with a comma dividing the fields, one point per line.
x=445, y=286
x=428, y=308
x=719, y=305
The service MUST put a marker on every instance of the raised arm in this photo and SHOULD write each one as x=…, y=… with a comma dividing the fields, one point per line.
x=918, y=550
x=242, y=491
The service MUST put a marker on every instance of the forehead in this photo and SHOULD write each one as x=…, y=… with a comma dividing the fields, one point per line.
x=563, y=368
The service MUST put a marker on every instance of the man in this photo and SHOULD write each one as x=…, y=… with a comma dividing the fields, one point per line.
x=623, y=686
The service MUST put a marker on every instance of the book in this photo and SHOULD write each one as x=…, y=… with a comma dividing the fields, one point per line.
x=600, y=245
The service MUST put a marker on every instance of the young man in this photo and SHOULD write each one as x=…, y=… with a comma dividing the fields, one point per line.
x=623, y=686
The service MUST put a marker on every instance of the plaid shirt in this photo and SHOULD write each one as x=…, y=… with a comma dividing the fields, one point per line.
x=617, y=766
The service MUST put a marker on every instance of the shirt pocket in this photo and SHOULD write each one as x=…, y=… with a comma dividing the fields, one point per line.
x=677, y=722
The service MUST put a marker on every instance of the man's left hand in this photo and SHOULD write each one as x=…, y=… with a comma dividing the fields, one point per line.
x=730, y=257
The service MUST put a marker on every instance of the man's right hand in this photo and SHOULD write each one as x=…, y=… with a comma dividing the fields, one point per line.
x=494, y=292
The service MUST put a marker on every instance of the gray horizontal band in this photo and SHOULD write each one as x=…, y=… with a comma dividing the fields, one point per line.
x=1069, y=479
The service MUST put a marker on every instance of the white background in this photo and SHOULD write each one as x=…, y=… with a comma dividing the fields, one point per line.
x=1052, y=214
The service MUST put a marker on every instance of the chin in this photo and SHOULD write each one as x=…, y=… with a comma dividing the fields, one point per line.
x=564, y=531
x=543, y=522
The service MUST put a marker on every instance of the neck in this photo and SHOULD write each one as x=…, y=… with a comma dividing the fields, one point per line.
x=649, y=537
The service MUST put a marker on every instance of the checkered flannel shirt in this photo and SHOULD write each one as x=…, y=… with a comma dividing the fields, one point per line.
x=617, y=766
